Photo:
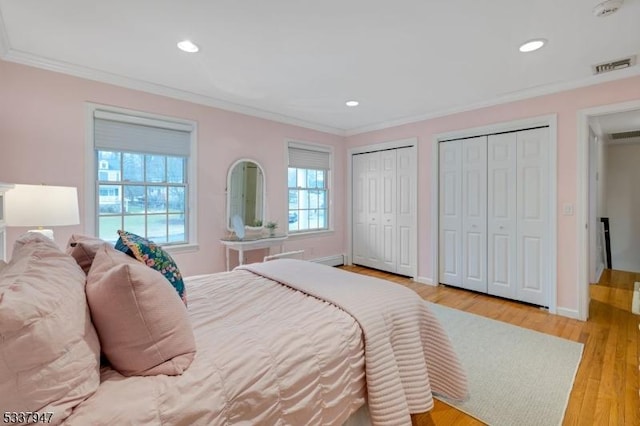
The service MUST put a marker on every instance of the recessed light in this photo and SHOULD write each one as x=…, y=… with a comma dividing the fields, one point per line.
x=188, y=46
x=532, y=45
x=352, y=103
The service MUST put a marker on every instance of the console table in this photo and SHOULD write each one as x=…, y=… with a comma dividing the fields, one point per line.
x=251, y=243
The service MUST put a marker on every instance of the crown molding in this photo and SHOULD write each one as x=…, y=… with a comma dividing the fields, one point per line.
x=507, y=98
x=9, y=54
x=4, y=38
x=37, y=61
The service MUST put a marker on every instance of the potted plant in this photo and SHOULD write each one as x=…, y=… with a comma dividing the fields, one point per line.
x=271, y=226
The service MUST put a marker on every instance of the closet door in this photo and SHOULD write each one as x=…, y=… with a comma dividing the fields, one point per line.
x=533, y=212
x=372, y=208
x=405, y=212
x=387, y=242
x=359, y=208
x=474, y=214
x=501, y=215
x=450, y=202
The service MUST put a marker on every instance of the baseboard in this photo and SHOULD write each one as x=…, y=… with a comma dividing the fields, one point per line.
x=569, y=313
x=336, y=260
x=425, y=280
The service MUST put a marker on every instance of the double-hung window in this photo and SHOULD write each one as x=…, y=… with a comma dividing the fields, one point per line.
x=142, y=177
x=308, y=183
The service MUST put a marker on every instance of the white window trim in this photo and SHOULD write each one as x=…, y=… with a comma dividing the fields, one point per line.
x=90, y=169
x=330, y=211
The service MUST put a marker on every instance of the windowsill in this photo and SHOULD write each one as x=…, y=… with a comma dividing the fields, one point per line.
x=310, y=234
x=182, y=248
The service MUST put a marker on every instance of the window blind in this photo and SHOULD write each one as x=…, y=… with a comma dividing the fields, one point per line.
x=119, y=132
x=308, y=157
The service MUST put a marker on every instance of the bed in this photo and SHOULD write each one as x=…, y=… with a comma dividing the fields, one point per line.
x=282, y=342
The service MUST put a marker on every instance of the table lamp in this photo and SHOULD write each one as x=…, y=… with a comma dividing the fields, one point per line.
x=42, y=206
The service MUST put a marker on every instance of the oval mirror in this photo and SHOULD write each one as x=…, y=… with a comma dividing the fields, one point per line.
x=245, y=193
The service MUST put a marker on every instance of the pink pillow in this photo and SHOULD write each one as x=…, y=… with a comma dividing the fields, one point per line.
x=49, y=351
x=83, y=249
x=143, y=327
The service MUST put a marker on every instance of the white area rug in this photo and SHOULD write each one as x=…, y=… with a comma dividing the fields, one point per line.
x=516, y=376
x=635, y=303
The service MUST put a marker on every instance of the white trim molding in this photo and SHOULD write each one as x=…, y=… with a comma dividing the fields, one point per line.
x=552, y=247
x=20, y=57
x=519, y=95
x=582, y=202
x=335, y=260
x=569, y=313
x=425, y=280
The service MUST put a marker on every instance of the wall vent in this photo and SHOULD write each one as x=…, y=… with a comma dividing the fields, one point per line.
x=614, y=65
x=625, y=135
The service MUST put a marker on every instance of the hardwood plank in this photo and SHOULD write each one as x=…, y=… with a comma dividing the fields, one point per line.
x=606, y=388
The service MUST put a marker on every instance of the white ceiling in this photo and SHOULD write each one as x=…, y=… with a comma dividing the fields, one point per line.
x=298, y=61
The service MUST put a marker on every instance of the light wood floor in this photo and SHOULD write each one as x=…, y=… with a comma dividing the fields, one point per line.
x=605, y=391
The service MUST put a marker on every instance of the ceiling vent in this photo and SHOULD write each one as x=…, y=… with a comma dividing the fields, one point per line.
x=614, y=65
x=624, y=135
x=607, y=8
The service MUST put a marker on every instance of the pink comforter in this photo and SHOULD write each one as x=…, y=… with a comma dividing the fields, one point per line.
x=407, y=353
x=266, y=355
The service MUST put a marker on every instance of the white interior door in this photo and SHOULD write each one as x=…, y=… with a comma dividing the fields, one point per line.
x=474, y=214
x=533, y=212
x=501, y=215
x=372, y=205
x=405, y=212
x=384, y=210
x=359, y=208
x=387, y=225
x=450, y=202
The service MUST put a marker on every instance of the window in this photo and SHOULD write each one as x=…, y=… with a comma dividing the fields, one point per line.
x=308, y=183
x=141, y=174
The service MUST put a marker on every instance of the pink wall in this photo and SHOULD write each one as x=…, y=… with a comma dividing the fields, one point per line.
x=42, y=140
x=565, y=105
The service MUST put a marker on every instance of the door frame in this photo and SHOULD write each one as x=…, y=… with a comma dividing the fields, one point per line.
x=508, y=126
x=411, y=143
x=582, y=204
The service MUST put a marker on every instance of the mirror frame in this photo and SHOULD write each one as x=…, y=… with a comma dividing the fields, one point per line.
x=228, y=190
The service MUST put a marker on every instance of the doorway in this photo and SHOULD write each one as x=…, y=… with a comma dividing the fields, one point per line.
x=601, y=121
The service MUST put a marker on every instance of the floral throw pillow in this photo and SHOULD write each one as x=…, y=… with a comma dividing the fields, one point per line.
x=153, y=256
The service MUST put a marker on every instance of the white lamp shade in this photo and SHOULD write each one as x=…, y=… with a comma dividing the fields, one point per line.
x=42, y=205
